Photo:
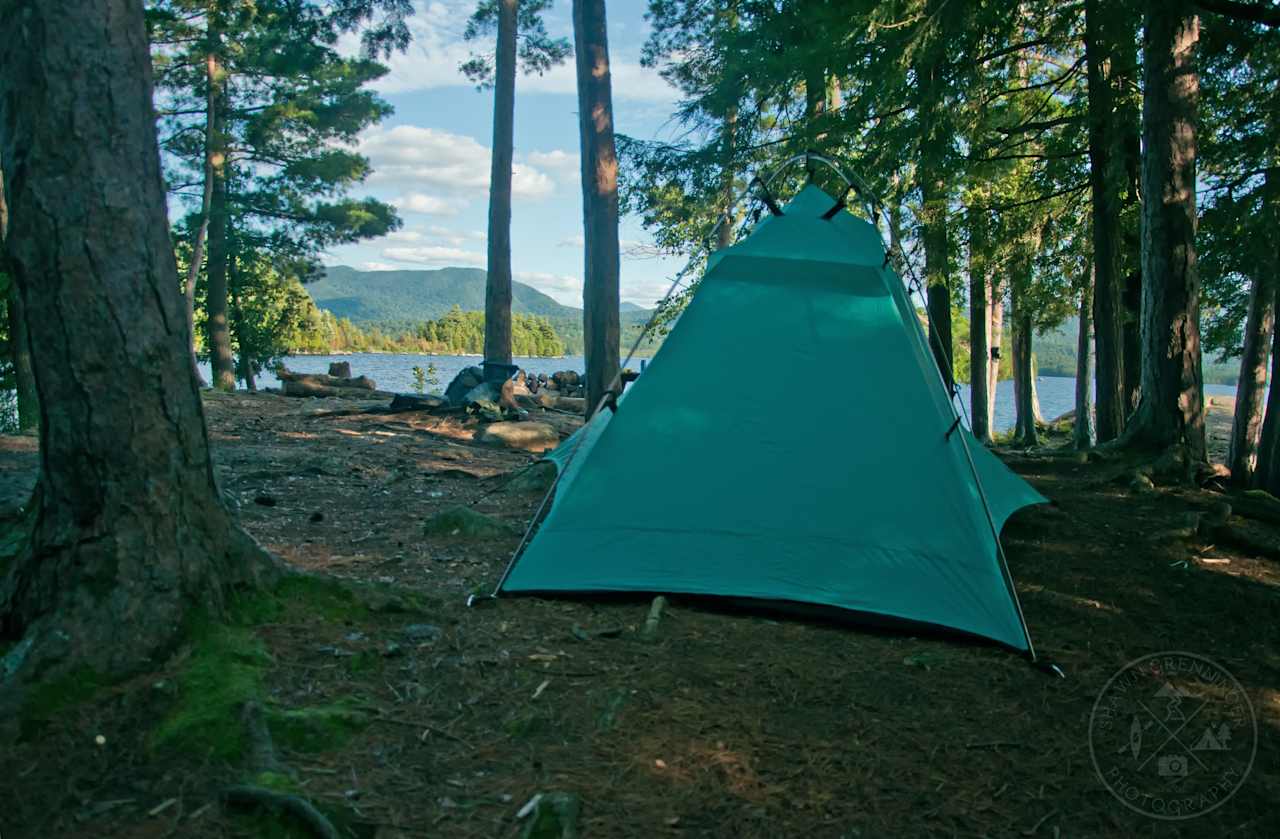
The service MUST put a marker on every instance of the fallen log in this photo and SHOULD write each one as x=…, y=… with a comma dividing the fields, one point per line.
x=290, y=387
x=284, y=374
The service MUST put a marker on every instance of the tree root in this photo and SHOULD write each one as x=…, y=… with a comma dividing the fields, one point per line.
x=300, y=808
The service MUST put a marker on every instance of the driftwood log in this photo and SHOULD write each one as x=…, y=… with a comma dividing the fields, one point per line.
x=319, y=384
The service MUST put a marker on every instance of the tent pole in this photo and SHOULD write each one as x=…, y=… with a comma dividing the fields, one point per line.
x=977, y=482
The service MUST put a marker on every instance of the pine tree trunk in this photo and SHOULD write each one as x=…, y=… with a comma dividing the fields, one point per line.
x=979, y=330
x=1266, y=474
x=1025, y=407
x=217, y=328
x=129, y=532
x=1171, y=410
x=244, y=359
x=1246, y=425
x=599, y=199
x=1108, y=286
x=932, y=183
x=497, y=290
x=997, y=341
x=728, y=136
x=1131, y=337
x=1082, y=433
x=211, y=161
x=19, y=343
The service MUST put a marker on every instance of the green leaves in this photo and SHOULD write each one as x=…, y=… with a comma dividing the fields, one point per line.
x=536, y=51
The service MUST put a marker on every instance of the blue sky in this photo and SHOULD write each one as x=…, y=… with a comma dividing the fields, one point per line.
x=431, y=158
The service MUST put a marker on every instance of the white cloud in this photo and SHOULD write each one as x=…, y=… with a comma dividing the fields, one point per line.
x=432, y=60
x=565, y=165
x=441, y=160
x=405, y=236
x=427, y=205
x=434, y=255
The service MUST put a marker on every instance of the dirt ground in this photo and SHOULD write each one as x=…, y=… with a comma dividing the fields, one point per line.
x=729, y=724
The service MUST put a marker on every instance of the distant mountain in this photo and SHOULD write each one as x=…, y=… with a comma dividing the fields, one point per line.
x=395, y=300
x=1056, y=356
x=398, y=296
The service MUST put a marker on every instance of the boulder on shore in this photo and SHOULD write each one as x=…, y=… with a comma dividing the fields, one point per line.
x=416, y=402
x=463, y=383
x=529, y=436
x=340, y=369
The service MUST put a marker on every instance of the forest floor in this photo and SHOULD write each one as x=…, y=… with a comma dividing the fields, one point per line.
x=407, y=714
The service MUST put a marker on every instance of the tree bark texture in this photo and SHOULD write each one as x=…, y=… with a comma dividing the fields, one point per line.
x=1025, y=408
x=1266, y=473
x=1101, y=56
x=1246, y=425
x=1171, y=407
x=497, y=290
x=217, y=325
x=128, y=531
x=997, y=341
x=211, y=161
x=979, y=329
x=1082, y=433
x=599, y=199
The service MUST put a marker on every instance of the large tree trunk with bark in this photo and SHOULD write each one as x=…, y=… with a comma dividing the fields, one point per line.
x=212, y=159
x=1100, y=56
x=1082, y=433
x=1171, y=406
x=128, y=531
x=217, y=326
x=1246, y=426
x=497, y=289
x=728, y=139
x=1266, y=473
x=600, y=294
x=1024, y=396
x=979, y=329
x=997, y=341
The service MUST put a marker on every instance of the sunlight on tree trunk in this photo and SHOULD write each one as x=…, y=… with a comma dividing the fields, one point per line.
x=1100, y=51
x=599, y=199
x=217, y=327
x=1082, y=434
x=1246, y=426
x=497, y=290
x=1171, y=410
x=997, y=341
x=206, y=203
x=128, y=531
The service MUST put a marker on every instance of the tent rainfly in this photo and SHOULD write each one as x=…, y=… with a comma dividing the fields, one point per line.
x=859, y=493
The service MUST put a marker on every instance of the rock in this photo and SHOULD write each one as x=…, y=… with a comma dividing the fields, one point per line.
x=483, y=392
x=487, y=411
x=464, y=523
x=554, y=816
x=467, y=378
x=415, y=402
x=534, y=479
x=264, y=500
x=1141, y=484
x=1209, y=472
x=575, y=404
x=419, y=632
x=1172, y=466
x=529, y=436
x=341, y=369
x=547, y=398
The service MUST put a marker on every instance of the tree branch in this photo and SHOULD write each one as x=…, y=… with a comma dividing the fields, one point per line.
x=1266, y=15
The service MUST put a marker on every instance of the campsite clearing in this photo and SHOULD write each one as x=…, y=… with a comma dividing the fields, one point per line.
x=439, y=720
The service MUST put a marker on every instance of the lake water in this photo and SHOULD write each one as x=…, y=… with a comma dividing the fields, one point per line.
x=394, y=371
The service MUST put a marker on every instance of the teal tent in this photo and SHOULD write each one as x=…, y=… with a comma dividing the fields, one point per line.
x=860, y=494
